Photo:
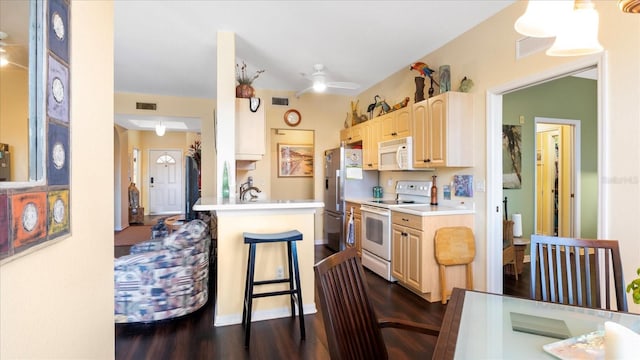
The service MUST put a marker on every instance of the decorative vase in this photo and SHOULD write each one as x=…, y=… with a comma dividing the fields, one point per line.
x=244, y=91
x=419, y=96
x=445, y=78
x=225, y=182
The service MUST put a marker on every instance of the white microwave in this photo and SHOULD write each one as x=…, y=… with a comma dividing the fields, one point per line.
x=396, y=154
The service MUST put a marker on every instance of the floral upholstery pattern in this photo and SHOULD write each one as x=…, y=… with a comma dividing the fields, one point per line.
x=163, y=278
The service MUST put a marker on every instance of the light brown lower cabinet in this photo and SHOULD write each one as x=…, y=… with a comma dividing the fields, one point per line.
x=413, y=261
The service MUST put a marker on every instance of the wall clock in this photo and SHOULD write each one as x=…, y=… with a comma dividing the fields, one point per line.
x=292, y=117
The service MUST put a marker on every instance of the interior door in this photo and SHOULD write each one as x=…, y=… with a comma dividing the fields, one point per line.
x=556, y=179
x=166, y=195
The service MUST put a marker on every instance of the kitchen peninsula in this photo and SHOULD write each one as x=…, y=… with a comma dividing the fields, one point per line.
x=262, y=216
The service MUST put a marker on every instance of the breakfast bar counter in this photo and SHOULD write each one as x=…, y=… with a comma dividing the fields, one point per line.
x=262, y=216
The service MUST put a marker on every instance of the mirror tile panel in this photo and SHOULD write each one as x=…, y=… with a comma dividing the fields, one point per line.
x=34, y=215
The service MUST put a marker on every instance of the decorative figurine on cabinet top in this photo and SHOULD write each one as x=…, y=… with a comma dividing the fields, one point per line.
x=425, y=70
x=357, y=118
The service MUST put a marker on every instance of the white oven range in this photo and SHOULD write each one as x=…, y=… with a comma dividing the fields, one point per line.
x=376, y=224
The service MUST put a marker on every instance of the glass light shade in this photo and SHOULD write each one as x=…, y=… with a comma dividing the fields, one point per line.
x=319, y=82
x=542, y=17
x=3, y=61
x=319, y=86
x=160, y=129
x=579, y=33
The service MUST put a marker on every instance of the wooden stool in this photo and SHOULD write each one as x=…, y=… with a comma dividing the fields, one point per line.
x=454, y=246
x=295, y=290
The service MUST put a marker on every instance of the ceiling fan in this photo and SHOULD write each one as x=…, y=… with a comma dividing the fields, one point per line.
x=12, y=54
x=320, y=83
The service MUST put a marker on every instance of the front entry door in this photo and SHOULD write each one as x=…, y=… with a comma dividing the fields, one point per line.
x=165, y=181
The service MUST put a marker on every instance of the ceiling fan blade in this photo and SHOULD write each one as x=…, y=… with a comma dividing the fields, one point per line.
x=303, y=91
x=343, y=85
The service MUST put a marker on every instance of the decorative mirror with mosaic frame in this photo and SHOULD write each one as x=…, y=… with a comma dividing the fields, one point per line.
x=36, y=213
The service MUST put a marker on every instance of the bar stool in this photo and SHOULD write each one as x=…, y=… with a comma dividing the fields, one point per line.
x=295, y=292
x=454, y=246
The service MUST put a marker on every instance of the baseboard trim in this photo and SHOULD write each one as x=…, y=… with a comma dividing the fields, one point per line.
x=259, y=315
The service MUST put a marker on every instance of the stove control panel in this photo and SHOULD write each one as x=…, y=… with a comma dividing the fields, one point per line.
x=417, y=188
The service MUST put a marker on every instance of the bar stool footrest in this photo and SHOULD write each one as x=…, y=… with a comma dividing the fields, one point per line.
x=275, y=293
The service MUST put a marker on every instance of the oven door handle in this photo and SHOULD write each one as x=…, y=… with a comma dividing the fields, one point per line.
x=375, y=210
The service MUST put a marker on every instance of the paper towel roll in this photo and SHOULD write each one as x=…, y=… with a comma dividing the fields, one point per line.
x=517, y=225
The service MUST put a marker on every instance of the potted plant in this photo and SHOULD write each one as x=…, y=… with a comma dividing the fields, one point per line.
x=244, y=88
x=195, y=151
x=634, y=288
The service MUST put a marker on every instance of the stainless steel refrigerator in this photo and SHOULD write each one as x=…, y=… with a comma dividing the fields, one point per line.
x=343, y=179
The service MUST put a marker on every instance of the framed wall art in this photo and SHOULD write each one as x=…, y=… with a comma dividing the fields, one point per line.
x=295, y=160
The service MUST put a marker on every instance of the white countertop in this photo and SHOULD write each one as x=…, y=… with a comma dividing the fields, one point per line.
x=217, y=204
x=433, y=210
x=448, y=208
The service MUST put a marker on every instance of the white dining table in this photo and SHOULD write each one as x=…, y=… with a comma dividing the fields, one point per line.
x=477, y=325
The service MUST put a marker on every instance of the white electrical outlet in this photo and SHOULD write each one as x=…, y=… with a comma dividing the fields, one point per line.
x=279, y=272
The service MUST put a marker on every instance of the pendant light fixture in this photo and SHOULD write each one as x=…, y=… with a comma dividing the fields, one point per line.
x=629, y=6
x=542, y=18
x=578, y=34
x=160, y=129
x=573, y=23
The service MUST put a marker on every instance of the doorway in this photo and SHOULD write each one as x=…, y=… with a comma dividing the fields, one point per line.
x=494, y=270
x=557, y=184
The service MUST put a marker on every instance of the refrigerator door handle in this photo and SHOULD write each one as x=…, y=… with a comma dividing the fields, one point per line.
x=338, y=191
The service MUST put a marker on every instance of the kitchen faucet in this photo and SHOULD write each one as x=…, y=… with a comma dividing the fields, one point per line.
x=247, y=188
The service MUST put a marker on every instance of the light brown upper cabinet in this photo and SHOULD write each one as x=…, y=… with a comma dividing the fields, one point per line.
x=443, y=131
x=352, y=134
x=370, y=138
x=396, y=124
x=250, y=131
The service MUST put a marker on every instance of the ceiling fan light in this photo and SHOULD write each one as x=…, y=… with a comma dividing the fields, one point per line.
x=319, y=86
x=160, y=129
x=579, y=34
x=542, y=18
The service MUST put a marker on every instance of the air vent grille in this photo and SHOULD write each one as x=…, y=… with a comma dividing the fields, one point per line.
x=530, y=45
x=279, y=101
x=146, y=106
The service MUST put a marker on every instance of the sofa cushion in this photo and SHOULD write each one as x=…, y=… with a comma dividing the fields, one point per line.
x=187, y=235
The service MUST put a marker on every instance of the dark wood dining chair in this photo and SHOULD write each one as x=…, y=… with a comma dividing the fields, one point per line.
x=572, y=271
x=353, y=330
x=508, y=248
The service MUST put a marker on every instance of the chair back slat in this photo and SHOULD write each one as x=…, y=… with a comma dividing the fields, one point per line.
x=571, y=278
x=558, y=275
x=587, y=265
x=346, y=310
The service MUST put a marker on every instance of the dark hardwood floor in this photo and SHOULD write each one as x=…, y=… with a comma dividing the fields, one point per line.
x=195, y=337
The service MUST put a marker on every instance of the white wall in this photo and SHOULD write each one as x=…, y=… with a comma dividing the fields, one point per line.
x=58, y=301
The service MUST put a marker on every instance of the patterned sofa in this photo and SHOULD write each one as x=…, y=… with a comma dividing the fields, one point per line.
x=163, y=278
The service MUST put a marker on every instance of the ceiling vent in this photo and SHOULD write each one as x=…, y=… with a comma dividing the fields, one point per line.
x=146, y=106
x=530, y=45
x=279, y=101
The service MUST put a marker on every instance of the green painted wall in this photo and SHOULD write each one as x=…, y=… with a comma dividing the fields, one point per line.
x=567, y=98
